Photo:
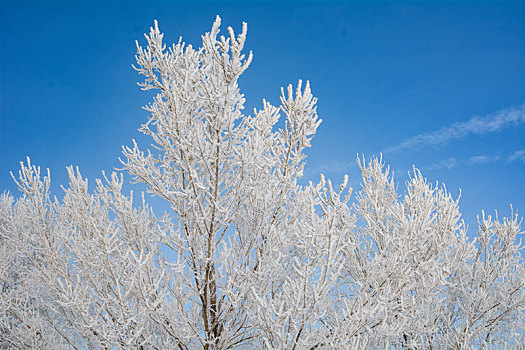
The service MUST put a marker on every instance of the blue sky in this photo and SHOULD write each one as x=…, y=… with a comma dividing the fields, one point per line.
x=439, y=85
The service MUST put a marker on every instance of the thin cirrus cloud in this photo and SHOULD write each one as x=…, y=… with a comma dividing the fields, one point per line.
x=452, y=162
x=518, y=155
x=474, y=126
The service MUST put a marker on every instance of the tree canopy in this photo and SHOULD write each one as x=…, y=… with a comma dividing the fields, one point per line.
x=246, y=256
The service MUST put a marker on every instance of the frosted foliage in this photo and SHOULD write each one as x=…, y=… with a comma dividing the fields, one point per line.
x=246, y=257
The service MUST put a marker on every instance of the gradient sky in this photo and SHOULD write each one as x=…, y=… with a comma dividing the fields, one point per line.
x=439, y=85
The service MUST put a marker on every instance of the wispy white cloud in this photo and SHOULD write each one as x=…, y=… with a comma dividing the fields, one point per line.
x=475, y=126
x=518, y=155
x=448, y=163
x=452, y=162
x=482, y=159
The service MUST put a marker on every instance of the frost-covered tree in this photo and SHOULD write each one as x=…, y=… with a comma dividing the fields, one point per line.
x=246, y=257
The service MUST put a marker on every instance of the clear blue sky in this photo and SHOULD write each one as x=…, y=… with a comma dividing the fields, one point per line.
x=439, y=85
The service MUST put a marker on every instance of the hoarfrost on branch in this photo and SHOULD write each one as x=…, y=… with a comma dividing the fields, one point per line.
x=247, y=257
